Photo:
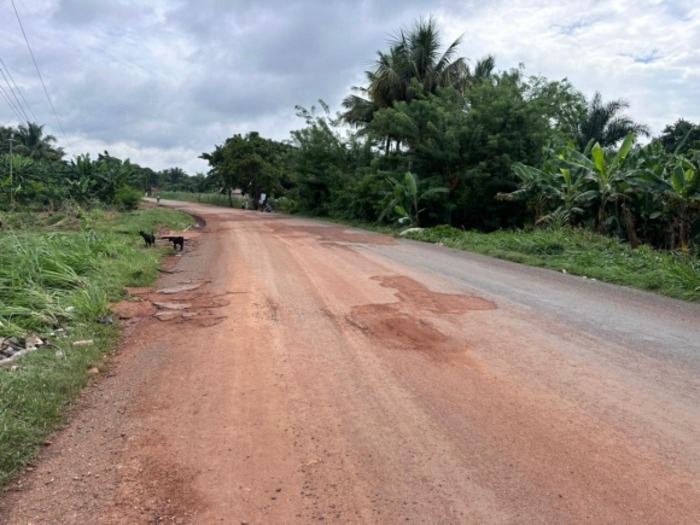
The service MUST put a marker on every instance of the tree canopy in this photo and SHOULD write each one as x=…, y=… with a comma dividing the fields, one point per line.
x=251, y=163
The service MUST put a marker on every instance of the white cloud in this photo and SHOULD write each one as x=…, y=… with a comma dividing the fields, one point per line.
x=160, y=82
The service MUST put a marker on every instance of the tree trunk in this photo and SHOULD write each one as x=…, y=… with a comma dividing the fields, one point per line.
x=602, y=219
x=629, y=225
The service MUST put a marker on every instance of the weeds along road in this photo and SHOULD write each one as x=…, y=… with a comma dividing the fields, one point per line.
x=299, y=372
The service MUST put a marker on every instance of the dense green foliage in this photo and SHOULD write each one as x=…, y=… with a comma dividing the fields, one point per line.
x=506, y=150
x=58, y=273
x=34, y=174
x=642, y=194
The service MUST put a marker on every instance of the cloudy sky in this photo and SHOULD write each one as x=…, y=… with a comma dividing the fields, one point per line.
x=161, y=81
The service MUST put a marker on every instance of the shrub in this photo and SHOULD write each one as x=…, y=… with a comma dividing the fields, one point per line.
x=127, y=198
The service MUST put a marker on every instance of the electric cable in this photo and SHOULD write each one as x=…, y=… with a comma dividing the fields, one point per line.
x=14, y=94
x=11, y=104
x=41, y=78
x=18, y=90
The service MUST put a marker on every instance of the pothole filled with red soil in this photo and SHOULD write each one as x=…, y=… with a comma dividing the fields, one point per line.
x=400, y=324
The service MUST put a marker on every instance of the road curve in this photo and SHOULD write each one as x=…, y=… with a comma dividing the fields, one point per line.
x=291, y=371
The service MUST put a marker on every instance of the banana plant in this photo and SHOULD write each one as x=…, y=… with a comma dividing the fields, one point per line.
x=537, y=187
x=678, y=182
x=406, y=199
x=610, y=177
x=557, y=193
x=571, y=194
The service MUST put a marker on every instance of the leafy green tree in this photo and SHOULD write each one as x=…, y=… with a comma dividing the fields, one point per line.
x=127, y=198
x=469, y=142
x=82, y=178
x=201, y=183
x=14, y=182
x=680, y=137
x=251, y=163
x=111, y=174
x=560, y=103
x=505, y=123
x=605, y=124
x=321, y=163
x=6, y=134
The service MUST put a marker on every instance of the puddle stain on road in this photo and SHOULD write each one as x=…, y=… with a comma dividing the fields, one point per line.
x=403, y=324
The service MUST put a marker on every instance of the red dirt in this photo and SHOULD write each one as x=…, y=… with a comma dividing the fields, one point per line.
x=280, y=375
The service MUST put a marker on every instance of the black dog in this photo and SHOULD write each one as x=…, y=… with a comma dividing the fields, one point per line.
x=149, y=238
x=177, y=240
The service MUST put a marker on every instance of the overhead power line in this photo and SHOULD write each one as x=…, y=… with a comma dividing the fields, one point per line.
x=10, y=103
x=36, y=66
x=14, y=94
x=18, y=90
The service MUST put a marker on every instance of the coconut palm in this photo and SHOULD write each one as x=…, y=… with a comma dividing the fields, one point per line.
x=605, y=125
x=414, y=62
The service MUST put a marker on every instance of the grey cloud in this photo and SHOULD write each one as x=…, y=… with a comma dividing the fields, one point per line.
x=167, y=78
x=88, y=13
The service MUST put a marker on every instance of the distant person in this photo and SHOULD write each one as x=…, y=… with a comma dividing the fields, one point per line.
x=158, y=199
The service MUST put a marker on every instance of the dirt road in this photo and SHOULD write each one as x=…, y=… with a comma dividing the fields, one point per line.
x=293, y=372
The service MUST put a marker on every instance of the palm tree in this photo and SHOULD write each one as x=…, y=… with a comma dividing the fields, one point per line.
x=32, y=143
x=604, y=124
x=413, y=63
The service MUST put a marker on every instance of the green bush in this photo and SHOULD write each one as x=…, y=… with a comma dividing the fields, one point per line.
x=127, y=198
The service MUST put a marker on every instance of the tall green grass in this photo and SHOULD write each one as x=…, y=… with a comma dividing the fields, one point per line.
x=581, y=252
x=57, y=278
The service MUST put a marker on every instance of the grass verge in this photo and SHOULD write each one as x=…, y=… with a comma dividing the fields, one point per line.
x=215, y=199
x=581, y=252
x=58, y=274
